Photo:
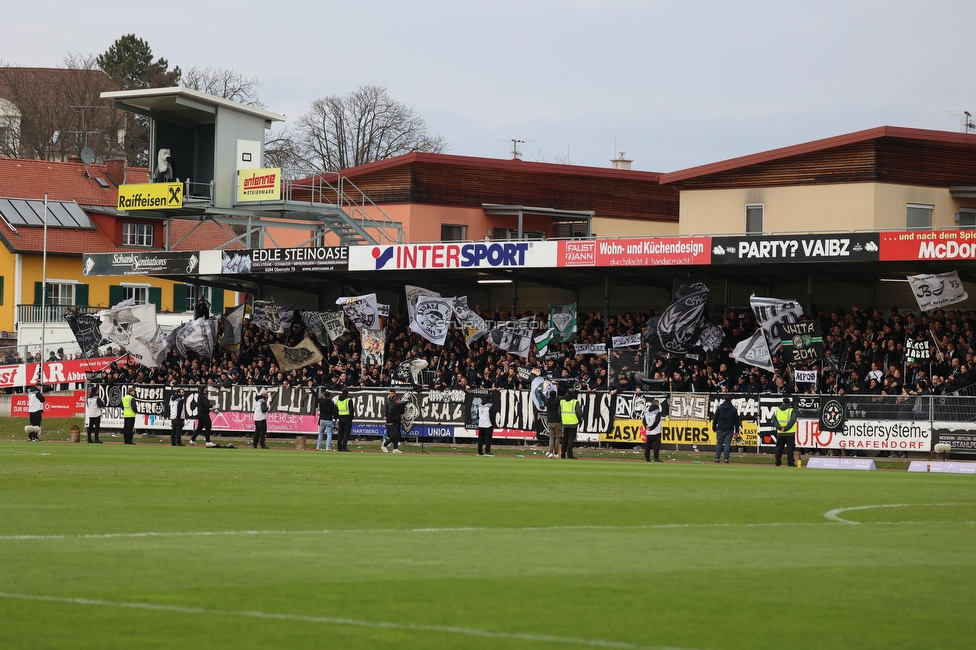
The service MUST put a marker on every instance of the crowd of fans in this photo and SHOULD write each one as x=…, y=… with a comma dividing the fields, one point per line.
x=865, y=353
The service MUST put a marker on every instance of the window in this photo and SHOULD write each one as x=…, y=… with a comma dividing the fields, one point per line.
x=60, y=293
x=919, y=216
x=754, y=219
x=191, y=296
x=137, y=234
x=138, y=291
x=966, y=217
x=452, y=233
x=3, y=138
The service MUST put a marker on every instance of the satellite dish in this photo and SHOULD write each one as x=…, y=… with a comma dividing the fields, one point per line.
x=87, y=155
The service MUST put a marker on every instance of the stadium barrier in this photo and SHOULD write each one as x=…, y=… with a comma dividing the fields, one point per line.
x=873, y=423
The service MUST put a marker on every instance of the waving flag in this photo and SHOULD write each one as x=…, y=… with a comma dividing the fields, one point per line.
x=230, y=336
x=770, y=312
x=361, y=310
x=134, y=328
x=269, y=316
x=680, y=325
x=85, y=329
x=303, y=354
x=562, y=319
x=432, y=318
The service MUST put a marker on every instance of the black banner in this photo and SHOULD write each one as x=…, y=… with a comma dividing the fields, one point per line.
x=801, y=341
x=141, y=263
x=833, y=412
x=854, y=247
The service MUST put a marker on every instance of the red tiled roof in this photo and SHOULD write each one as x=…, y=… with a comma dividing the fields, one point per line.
x=23, y=178
x=947, y=137
x=66, y=181
x=60, y=241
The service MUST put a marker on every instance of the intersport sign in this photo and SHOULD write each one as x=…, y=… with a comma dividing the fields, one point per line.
x=450, y=255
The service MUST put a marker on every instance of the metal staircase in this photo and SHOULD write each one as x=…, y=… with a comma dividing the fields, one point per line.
x=343, y=209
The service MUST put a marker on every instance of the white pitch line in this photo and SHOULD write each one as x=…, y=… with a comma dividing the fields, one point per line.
x=462, y=529
x=386, y=625
x=834, y=515
x=373, y=531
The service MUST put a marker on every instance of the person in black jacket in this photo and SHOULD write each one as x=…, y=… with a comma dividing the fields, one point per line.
x=394, y=418
x=555, y=421
x=725, y=423
x=203, y=418
x=177, y=416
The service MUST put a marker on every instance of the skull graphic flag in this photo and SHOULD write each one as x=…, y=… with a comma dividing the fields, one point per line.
x=135, y=329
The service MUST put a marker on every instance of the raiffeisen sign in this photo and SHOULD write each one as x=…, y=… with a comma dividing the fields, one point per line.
x=451, y=255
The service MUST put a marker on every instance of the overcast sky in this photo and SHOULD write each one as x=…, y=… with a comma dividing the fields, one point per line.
x=674, y=84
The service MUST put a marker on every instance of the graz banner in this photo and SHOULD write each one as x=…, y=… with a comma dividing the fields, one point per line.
x=854, y=247
x=140, y=263
x=285, y=260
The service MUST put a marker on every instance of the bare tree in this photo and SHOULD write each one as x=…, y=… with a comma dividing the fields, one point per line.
x=364, y=126
x=223, y=83
x=61, y=111
x=281, y=150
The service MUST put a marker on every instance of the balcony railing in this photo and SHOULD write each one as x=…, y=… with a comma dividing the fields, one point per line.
x=48, y=313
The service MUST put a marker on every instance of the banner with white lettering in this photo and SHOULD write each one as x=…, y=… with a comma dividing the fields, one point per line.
x=802, y=341
x=767, y=249
x=631, y=341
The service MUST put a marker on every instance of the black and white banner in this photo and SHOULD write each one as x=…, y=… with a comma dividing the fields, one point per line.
x=514, y=341
x=134, y=328
x=933, y=291
x=802, y=341
x=917, y=350
x=590, y=348
x=362, y=311
x=754, y=351
x=855, y=247
x=335, y=324
x=632, y=341
x=432, y=318
x=85, y=329
x=770, y=313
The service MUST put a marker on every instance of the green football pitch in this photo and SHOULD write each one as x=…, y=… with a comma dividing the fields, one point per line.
x=154, y=547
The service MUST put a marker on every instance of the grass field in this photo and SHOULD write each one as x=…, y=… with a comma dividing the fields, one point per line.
x=154, y=547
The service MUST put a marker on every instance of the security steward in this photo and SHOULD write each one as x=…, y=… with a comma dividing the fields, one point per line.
x=128, y=416
x=784, y=421
x=344, y=418
x=571, y=413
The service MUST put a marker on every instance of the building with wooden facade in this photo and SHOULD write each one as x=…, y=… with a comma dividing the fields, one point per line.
x=886, y=178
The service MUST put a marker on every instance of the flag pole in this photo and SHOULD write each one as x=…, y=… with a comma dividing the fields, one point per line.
x=43, y=294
